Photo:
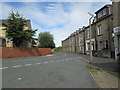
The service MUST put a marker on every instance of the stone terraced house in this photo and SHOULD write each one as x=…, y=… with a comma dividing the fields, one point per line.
x=104, y=31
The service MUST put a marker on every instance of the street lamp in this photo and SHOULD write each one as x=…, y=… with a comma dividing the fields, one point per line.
x=90, y=38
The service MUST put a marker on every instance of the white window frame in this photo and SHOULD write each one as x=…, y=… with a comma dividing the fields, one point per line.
x=109, y=9
x=106, y=44
x=100, y=29
x=102, y=13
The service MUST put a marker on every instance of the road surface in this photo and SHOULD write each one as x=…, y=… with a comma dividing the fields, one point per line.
x=60, y=70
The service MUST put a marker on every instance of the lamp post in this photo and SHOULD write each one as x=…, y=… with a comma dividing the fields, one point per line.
x=90, y=38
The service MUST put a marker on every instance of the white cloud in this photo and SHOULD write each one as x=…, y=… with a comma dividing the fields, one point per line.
x=57, y=0
x=55, y=15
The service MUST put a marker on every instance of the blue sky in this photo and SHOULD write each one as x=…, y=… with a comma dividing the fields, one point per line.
x=59, y=18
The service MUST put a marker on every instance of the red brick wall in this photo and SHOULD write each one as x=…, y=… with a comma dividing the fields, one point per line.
x=13, y=52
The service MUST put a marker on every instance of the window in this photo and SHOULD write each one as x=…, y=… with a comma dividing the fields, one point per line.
x=8, y=41
x=88, y=33
x=100, y=45
x=0, y=42
x=99, y=29
x=102, y=13
x=99, y=14
x=88, y=45
x=106, y=44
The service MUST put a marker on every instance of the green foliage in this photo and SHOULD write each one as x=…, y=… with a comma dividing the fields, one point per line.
x=93, y=69
x=15, y=29
x=45, y=40
x=58, y=49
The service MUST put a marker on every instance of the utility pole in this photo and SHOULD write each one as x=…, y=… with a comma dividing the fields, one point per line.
x=90, y=37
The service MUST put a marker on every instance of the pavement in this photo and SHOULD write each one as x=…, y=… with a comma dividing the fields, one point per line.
x=103, y=63
x=60, y=70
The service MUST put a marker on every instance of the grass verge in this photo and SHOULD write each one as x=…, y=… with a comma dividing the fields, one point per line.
x=93, y=69
x=103, y=78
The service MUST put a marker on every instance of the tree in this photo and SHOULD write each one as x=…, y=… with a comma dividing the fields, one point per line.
x=45, y=40
x=15, y=29
x=58, y=49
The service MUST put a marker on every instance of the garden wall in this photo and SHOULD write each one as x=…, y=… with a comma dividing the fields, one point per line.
x=13, y=52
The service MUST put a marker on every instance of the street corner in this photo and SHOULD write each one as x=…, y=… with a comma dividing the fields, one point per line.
x=50, y=55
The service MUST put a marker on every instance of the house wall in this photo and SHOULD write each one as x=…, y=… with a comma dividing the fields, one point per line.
x=73, y=43
x=116, y=28
x=2, y=32
x=81, y=43
x=105, y=36
x=109, y=22
x=77, y=42
x=65, y=45
x=87, y=39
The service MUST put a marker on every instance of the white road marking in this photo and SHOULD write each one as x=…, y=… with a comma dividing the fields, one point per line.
x=17, y=66
x=28, y=64
x=51, y=61
x=19, y=78
x=66, y=59
x=4, y=68
x=45, y=62
x=37, y=63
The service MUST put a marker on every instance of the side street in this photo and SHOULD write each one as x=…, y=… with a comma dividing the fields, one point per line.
x=42, y=49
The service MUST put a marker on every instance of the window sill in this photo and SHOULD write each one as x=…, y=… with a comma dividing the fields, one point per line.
x=100, y=34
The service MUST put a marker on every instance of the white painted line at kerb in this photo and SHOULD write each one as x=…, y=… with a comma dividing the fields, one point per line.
x=37, y=63
x=66, y=59
x=45, y=62
x=4, y=68
x=28, y=64
x=17, y=66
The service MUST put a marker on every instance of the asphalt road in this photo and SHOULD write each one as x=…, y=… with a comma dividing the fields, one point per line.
x=62, y=70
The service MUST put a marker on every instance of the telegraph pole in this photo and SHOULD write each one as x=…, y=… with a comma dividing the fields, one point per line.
x=90, y=37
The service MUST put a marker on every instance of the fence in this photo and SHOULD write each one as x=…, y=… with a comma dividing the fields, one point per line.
x=13, y=52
